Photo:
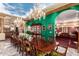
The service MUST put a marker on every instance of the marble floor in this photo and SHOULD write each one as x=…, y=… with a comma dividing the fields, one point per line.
x=70, y=51
x=6, y=49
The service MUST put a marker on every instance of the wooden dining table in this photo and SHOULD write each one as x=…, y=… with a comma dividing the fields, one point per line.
x=42, y=46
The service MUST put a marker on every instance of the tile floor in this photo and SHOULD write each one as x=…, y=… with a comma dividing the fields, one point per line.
x=6, y=49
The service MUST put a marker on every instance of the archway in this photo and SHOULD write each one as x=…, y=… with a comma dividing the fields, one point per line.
x=66, y=25
x=76, y=8
x=67, y=19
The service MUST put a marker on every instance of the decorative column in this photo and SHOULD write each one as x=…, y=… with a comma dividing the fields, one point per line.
x=2, y=25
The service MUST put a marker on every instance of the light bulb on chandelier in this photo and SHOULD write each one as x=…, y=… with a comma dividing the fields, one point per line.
x=37, y=13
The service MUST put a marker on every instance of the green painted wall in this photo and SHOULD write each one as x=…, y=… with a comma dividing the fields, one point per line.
x=50, y=19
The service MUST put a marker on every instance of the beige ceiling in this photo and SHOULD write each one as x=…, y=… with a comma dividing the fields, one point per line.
x=4, y=15
x=55, y=6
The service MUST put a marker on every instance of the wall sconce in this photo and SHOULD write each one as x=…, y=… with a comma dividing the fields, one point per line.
x=43, y=27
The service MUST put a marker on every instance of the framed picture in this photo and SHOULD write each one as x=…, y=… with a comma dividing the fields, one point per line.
x=36, y=28
x=50, y=26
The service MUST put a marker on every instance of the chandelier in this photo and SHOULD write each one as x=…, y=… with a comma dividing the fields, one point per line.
x=37, y=12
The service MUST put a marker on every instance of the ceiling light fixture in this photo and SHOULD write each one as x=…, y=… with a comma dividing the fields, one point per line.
x=37, y=12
